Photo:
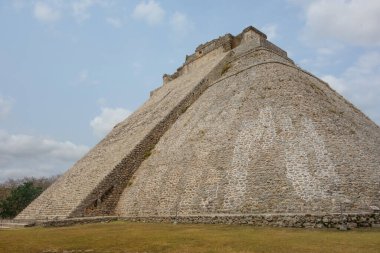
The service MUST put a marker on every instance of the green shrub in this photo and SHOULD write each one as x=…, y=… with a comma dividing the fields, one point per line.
x=19, y=198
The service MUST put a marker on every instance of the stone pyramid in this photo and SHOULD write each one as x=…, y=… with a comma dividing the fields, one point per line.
x=238, y=131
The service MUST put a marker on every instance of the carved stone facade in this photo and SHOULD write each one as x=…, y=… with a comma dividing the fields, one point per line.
x=237, y=131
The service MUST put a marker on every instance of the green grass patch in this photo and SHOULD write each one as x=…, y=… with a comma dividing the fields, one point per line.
x=142, y=237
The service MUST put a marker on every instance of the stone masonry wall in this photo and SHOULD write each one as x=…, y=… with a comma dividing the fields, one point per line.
x=123, y=172
x=363, y=220
x=237, y=132
x=275, y=220
x=266, y=137
x=93, y=184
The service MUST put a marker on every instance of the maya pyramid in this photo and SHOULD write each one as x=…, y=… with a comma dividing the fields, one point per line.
x=238, y=130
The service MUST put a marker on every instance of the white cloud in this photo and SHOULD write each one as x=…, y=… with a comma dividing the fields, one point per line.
x=5, y=107
x=360, y=83
x=19, y=4
x=102, y=102
x=108, y=118
x=83, y=76
x=271, y=31
x=354, y=22
x=25, y=155
x=115, y=22
x=137, y=68
x=46, y=13
x=50, y=11
x=336, y=83
x=149, y=11
x=84, y=79
x=81, y=8
x=327, y=56
x=180, y=23
x=326, y=51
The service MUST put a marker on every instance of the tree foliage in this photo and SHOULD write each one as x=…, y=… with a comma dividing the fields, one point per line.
x=10, y=184
x=16, y=194
x=19, y=198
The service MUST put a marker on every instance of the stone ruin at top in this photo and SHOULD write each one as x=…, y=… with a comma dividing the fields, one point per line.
x=238, y=130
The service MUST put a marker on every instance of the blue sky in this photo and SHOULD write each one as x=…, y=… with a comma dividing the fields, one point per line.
x=71, y=69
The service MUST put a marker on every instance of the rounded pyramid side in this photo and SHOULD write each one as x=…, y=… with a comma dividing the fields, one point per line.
x=266, y=137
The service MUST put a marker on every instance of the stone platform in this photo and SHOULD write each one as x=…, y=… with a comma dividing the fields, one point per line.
x=351, y=220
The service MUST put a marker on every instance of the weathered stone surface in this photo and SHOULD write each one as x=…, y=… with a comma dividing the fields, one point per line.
x=238, y=135
x=274, y=220
x=266, y=137
x=114, y=159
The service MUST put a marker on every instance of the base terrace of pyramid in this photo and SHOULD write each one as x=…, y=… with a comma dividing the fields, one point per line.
x=239, y=134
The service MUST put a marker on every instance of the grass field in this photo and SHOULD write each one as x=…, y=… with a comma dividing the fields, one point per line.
x=141, y=237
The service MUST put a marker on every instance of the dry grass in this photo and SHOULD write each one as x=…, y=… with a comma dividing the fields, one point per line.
x=140, y=237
